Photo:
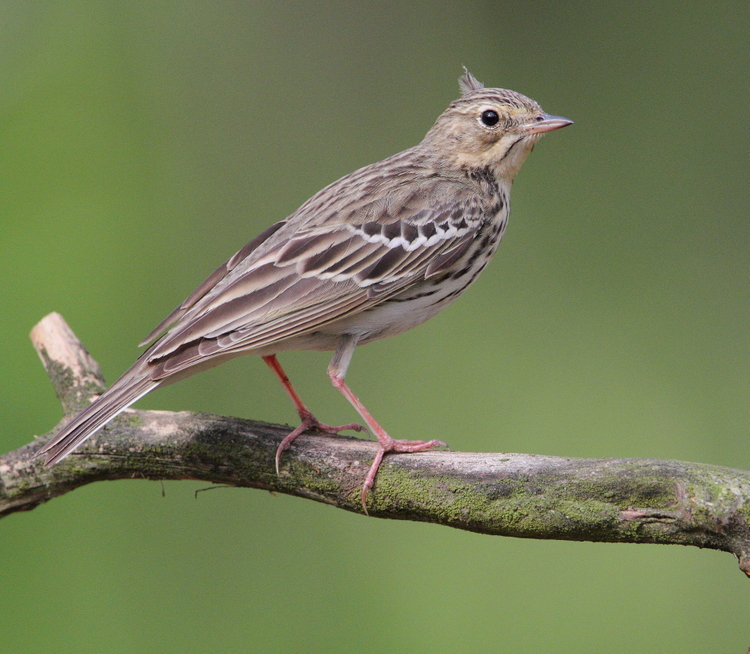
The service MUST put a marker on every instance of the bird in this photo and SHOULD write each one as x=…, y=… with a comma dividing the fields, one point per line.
x=372, y=255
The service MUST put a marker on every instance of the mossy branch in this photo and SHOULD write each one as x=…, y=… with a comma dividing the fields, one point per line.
x=521, y=495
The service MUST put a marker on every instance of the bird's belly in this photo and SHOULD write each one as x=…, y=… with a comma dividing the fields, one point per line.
x=394, y=316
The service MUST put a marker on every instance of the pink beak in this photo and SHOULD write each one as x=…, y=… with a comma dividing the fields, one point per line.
x=547, y=124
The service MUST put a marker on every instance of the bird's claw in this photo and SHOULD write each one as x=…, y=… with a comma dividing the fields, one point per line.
x=309, y=421
x=395, y=446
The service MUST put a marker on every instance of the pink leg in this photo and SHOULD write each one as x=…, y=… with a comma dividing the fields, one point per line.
x=385, y=442
x=309, y=421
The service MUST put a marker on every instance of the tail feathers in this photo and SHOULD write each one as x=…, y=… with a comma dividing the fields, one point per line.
x=114, y=401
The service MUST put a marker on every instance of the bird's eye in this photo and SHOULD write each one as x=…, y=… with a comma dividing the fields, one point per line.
x=490, y=118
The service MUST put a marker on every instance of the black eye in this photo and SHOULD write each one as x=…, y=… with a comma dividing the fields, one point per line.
x=490, y=118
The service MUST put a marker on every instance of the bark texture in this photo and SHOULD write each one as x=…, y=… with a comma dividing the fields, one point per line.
x=521, y=495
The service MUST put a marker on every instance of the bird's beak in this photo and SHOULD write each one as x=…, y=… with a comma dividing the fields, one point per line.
x=547, y=124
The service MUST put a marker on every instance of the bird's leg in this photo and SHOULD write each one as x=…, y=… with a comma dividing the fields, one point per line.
x=336, y=372
x=308, y=419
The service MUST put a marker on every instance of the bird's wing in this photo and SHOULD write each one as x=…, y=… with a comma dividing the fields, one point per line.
x=309, y=271
x=211, y=281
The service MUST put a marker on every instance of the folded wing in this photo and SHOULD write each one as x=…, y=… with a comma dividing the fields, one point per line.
x=298, y=280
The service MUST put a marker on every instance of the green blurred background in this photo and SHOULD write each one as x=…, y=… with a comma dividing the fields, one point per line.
x=141, y=144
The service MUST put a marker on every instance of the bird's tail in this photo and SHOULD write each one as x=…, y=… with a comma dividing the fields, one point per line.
x=133, y=385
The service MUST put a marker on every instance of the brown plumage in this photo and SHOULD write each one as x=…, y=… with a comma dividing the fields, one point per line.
x=375, y=253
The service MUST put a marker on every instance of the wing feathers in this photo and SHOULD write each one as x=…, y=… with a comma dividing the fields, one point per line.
x=379, y=270
x=447, y=259
x=254, y=245
x=297, y=278
x=319, y=263
x=211, y=281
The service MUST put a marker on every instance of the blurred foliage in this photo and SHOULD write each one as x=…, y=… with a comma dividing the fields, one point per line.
x=141, y=144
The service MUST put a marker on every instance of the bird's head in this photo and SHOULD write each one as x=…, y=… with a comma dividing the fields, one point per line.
x=489, y=128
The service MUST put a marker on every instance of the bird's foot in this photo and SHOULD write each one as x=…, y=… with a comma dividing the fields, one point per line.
x=386, y=444
x=309, y=421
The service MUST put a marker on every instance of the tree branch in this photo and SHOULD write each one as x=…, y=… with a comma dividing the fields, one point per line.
x=521, y=495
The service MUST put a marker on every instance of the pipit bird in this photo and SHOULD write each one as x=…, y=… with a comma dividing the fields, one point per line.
x=374, y=254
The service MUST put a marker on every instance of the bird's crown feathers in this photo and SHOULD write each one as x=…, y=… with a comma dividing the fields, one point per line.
x=467, y=82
